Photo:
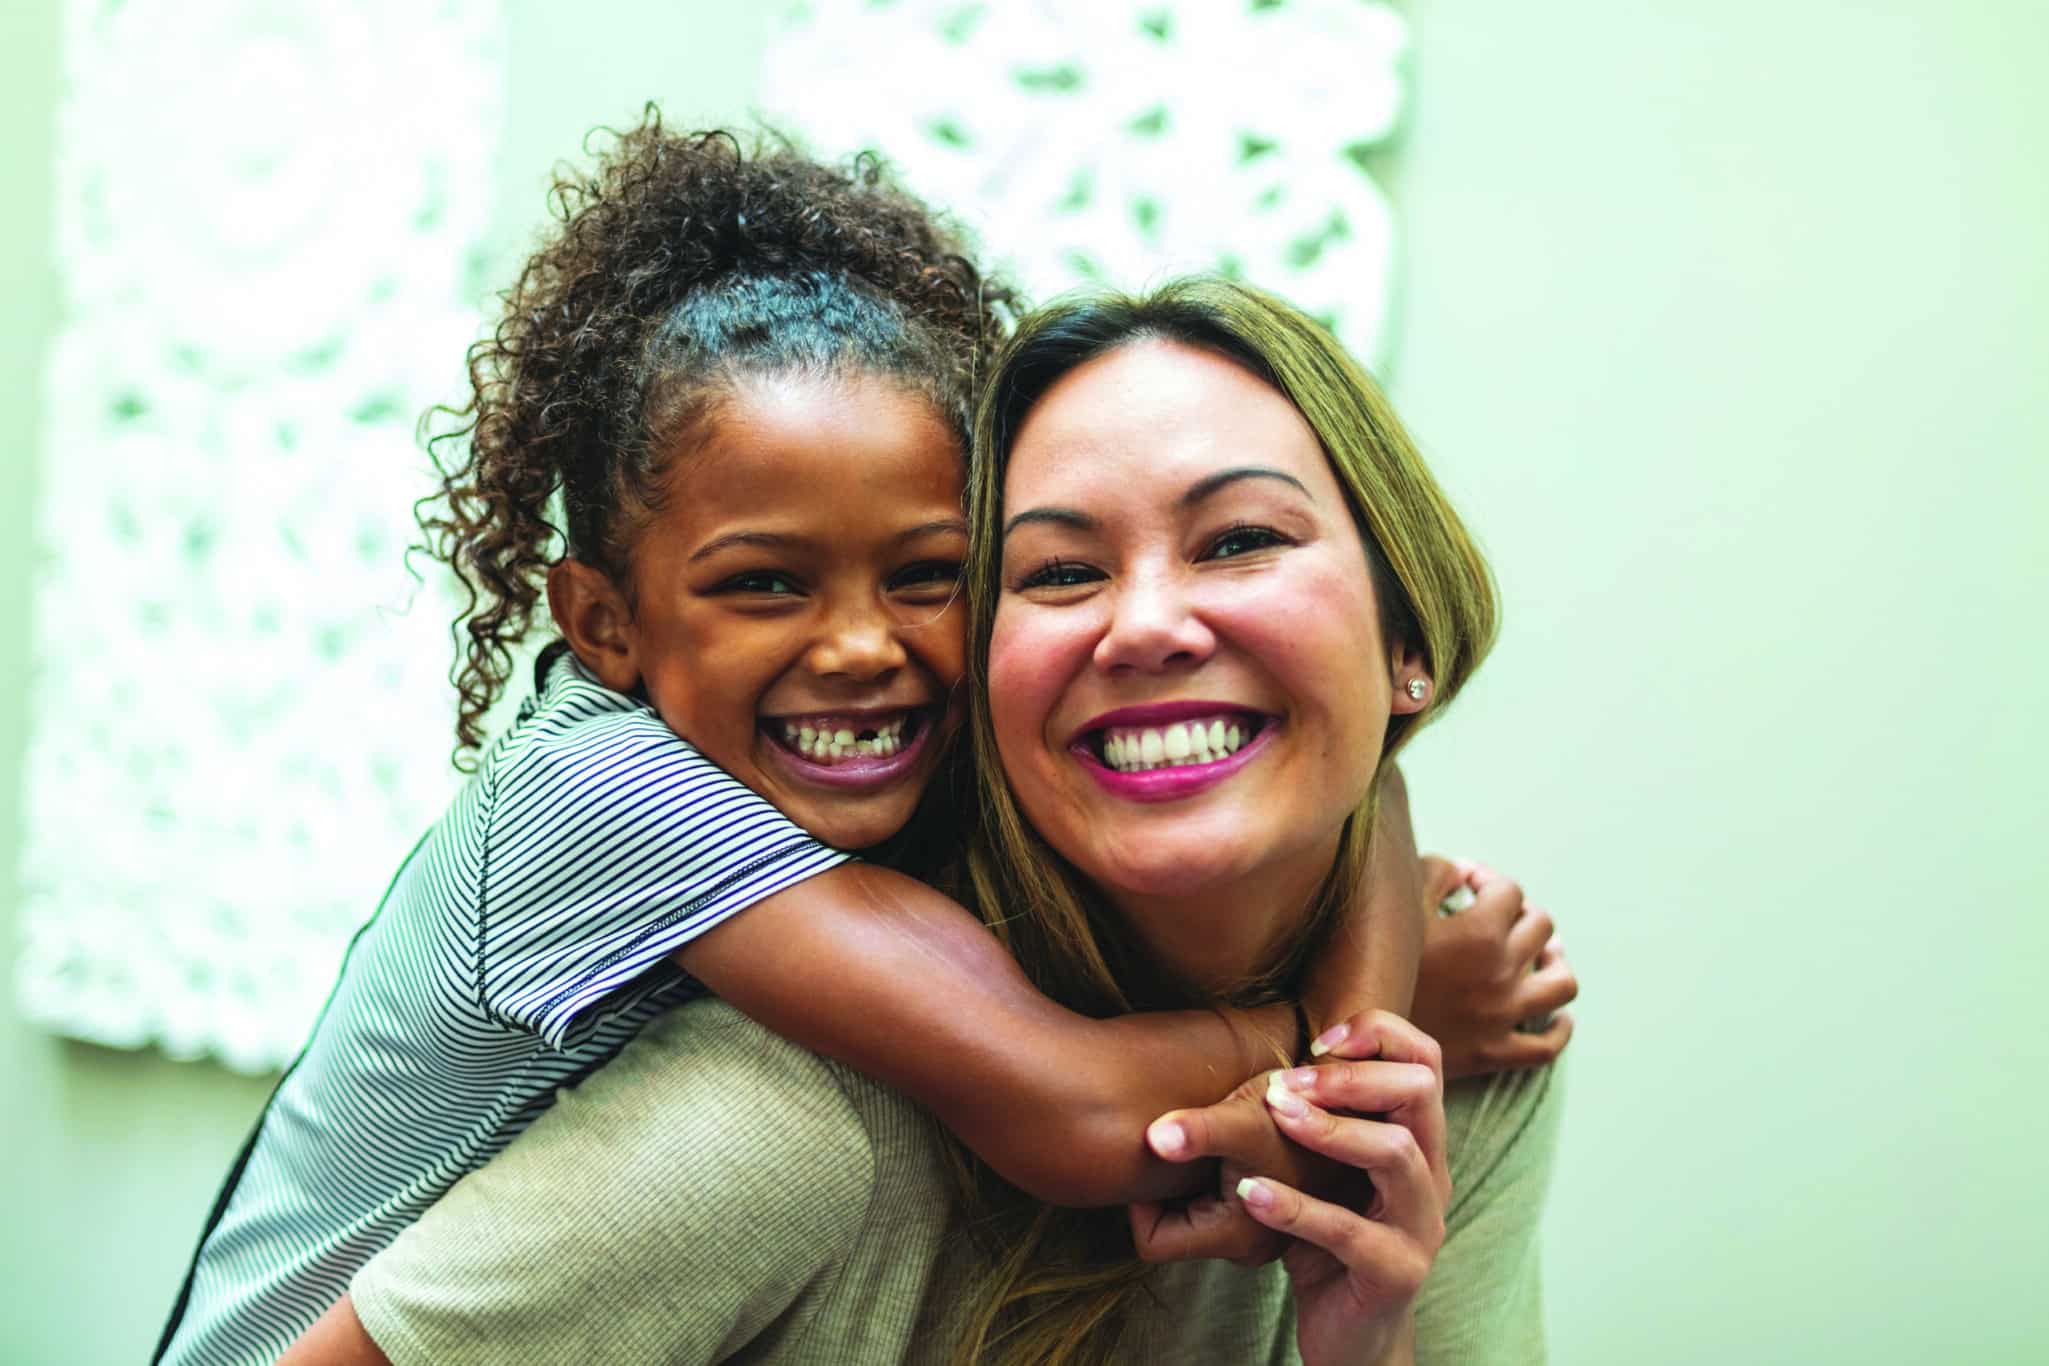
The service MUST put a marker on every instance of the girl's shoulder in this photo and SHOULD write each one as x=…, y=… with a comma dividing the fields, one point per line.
x=572, y=723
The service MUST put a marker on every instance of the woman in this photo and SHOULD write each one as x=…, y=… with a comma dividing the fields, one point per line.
x=1190, y=508
x=1193, y=513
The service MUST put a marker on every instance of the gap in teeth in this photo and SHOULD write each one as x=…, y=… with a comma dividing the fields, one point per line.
x=824, y=740
x=1136, y=749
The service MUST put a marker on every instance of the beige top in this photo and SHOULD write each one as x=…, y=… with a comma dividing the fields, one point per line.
x=716, y=1192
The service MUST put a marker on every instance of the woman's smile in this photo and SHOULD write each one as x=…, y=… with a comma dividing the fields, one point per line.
x=1168, y=750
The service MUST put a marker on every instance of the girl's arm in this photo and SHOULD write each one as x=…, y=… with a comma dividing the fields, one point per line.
x=881, y=972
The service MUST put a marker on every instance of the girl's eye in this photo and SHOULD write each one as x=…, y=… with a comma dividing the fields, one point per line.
x=1059, y=574
x=928, y=574
x=1243, y=540
x=764, y=581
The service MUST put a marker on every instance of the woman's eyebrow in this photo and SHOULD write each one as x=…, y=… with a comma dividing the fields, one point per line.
x=1210, y=483
x=1067, y=517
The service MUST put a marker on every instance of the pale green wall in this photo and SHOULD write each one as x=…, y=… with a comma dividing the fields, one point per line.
x=1727, y=324
x=1725, y=329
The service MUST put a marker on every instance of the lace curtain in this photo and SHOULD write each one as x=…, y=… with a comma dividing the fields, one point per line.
x=265, y=218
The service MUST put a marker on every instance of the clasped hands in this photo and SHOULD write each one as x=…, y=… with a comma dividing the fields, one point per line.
x=1340, y=1168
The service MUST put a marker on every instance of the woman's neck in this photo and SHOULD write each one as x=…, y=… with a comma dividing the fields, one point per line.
x=1223, y=935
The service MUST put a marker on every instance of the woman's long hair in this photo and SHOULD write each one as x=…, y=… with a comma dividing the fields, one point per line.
x=1063, y=1280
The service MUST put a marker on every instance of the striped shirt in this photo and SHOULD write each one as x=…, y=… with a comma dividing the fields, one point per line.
x=524, y=941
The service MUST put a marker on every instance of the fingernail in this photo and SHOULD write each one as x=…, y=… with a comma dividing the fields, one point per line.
x=1255, y=1193
x=1282, y=1099
x=1301, y=1079
x=1168, y=1139
x=1329, y=1039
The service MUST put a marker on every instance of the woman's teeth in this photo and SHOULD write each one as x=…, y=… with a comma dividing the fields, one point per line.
x=1183, y=743
x=829, y=742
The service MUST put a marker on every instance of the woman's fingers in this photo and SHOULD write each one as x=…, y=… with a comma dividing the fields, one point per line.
x=1384, y=1258
x=1409, y=1095
x=1379, y=1034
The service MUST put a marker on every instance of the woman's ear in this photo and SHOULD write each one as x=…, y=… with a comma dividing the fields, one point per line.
x=1412, y=682
x=592, y=615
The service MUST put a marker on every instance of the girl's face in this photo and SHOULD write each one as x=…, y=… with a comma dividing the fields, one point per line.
x=1187, y=682
x=797, y=616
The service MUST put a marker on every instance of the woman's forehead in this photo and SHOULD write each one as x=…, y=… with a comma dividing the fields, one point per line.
x=1156, y=416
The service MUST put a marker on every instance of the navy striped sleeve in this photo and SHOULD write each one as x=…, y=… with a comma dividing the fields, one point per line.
x=606, y=848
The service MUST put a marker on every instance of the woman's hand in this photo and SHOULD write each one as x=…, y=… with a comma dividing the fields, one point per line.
x=1355, y=1264
x=1494, y=980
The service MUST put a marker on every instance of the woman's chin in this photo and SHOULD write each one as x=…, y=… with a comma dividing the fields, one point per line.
x=1169, y=870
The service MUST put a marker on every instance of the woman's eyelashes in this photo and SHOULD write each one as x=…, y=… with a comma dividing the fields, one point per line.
x=1244, y=538
x=1057, y=573
x=1236, y=541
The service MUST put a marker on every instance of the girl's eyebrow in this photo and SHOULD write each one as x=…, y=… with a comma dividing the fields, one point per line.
x=956, y=525
x=1210, y=483
x=766, y=539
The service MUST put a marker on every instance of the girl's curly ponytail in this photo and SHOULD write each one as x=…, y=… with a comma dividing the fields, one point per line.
x=679, y=264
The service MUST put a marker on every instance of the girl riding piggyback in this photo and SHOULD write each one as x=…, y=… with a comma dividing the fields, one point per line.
x=721, y=427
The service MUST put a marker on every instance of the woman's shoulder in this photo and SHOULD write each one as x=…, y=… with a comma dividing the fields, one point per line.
x=1498, y=1125
x=706, y=1089
x=1483, y=1302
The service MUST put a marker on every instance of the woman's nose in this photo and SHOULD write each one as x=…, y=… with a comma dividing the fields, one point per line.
x=1152, y=628
x=859, y=642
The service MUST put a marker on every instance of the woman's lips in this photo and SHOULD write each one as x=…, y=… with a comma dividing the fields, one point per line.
x=853, y=751
x=1187, y=748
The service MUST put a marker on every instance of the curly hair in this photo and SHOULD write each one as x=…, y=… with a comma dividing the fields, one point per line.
x=679, y=264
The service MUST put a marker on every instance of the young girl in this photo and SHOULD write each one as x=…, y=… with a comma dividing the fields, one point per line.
x=746, y=379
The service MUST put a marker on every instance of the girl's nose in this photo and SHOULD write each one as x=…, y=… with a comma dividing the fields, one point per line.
x=860, y=644
x=1152, y=629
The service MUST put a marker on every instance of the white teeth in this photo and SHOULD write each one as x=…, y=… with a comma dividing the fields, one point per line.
x=1176, y=743
x=1201, y=742
x=825, y=743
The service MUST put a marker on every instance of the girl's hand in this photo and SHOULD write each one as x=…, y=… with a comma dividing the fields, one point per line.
x=1494, y=980
x=1356, y=1266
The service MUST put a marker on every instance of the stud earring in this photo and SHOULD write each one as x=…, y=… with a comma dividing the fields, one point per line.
x=1419, y=688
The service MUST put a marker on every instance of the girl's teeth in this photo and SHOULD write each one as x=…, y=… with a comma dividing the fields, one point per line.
x=1137, y=750
x=825, y=743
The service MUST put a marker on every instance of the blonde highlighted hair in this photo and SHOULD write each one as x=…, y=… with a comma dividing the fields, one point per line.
x=1061, y=1281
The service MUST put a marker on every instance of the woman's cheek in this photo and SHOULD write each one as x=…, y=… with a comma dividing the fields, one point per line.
x=1033, y=654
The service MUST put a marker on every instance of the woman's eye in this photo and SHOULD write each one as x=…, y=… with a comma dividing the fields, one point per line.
x=1059, y=574
x=1243, y=540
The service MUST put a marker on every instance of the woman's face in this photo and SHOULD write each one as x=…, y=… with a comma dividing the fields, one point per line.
x=1187, y=681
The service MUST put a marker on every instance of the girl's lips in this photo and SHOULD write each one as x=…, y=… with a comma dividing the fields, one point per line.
x=1169, y=784
x=856, y=773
